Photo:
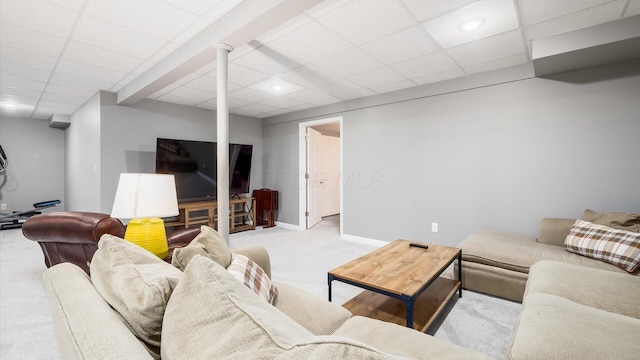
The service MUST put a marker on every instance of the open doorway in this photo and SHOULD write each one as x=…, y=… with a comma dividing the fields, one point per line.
x=320, y=171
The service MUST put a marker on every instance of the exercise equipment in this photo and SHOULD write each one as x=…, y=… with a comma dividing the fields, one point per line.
x=15, y=219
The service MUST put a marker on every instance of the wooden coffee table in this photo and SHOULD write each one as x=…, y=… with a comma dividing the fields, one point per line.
x=401, y=282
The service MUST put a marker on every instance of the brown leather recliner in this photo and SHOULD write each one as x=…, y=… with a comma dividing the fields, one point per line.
x=73, y=236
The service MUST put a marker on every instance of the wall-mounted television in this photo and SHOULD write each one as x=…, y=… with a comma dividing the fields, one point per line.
x=194, y=165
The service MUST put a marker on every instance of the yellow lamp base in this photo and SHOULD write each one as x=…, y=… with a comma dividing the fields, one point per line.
x=148, y=234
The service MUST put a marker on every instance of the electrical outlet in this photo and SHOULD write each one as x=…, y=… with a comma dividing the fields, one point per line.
x=434, y=227
x=3, y=206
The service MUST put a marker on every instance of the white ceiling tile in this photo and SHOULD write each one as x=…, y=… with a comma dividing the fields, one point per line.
x=429, y=9
x=497, y=63
x=74, y=5
x=284, y=87
x=338, y=87
x=245, y=112
x=440, y=76
x=425, y=65
x=21, y=92
x=376, y=77
x=348, y=63
x=403, y=45
x=534, y=11
x=243, y=76
x=499, y=16
x=211, y=104
x=250, y=95
x=308, y=75
x=235, y=102
x=361, y=21
x=89, y=72
x=27, y=73
x=266, y=60
x=30, y=40
x=108, y=36
x=325, y=7
x=298, y=44
x=633, y=8
x=71, y=91
x=64, y=98
x=38, y=15
x=326, y=101
x=394, y=86
x=203, y=83
x=194, y=29
x=171, y=98
x=96, y=56
x=165, y=50
x=491, y=48
x=166, y=22
x=20, y=83
x=258, y=108
x=11, y=58
x=57, y=107
x=574, y=21
x=195, y=95
x=209, y=69
x=307, y=96
x=194, y=6
x=75, y=81
x=357, y=94
x=287, y=27
x=282, y=102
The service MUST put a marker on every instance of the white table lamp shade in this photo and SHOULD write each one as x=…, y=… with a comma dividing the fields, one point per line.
x=145, y=196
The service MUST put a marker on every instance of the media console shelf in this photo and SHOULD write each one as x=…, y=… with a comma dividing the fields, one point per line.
x=242, y=214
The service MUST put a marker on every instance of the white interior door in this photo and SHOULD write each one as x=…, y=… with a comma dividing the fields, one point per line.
x=314, y=146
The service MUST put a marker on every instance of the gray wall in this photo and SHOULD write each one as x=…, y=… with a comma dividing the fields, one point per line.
x=128, y=137
x=82, y=154
x=36, y=163
x=499, y=156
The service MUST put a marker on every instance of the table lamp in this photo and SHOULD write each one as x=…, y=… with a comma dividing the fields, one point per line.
x=145, y=198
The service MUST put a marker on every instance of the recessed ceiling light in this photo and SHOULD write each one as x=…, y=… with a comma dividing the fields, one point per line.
x=470, y=25
x=276, y=87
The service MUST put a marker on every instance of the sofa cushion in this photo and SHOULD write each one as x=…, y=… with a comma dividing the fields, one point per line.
x=517, y=253
x=136, y=283
x=618, y=247
x=400, y=340
x=616, y=220
x=253, y=277
x=207, y=243
x=317, y=315
x=605, y=290
x=212, y=315
x=552, y=327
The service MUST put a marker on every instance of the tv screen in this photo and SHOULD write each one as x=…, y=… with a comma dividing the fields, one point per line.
x=194, y=165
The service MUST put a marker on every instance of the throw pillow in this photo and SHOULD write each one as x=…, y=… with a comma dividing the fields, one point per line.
x=213, y=316
x=253, y=277
x=209, y=244
x=616, y=220
x=137, y=284
x=618, y=247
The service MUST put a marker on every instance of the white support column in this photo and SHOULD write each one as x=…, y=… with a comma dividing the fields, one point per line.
x=223, y=140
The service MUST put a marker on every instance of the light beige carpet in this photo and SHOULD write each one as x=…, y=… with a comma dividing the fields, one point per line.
x=301, y=258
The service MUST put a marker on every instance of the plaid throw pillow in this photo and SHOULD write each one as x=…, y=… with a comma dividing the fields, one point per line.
x=618, y=247
x=252, y=275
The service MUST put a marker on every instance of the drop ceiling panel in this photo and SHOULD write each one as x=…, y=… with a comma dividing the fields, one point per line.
x=403, y=84
x=504, y=62
x=30, y=40
x=498, y=16
x=361, y=21
x=429, y=9
x=308, y=76
x=92, y=55
x=487, y=49
x=20, y=83
x=439, y=76
x=266, y=60
x=89, y=72
x=283, y=87
x=244, y=76
x=348, y=63
x=307, y=96
x=38, y=15
x=377, y=77
x=309, y=43
x=534, y=11
x=425, y=65
x=250, y=95
x=403, y=45
x=16, y=59
x=116, y=38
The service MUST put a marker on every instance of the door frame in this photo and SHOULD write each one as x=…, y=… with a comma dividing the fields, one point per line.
x=302, y=167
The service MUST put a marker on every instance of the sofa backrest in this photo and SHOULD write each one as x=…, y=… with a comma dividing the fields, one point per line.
x=553, y=231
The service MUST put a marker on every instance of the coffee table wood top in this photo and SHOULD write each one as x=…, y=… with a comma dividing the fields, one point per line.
x=397, y=267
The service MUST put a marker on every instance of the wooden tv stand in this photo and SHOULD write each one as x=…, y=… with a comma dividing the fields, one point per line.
x=242, y=214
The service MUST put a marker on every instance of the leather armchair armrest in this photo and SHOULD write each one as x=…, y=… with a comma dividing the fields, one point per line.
x=182, y=237
x=71, y=227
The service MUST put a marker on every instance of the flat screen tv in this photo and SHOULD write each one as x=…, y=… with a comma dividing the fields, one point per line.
x=194, y=164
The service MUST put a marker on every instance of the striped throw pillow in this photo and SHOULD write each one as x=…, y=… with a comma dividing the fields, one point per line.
x=618, y=247
x=252, y=275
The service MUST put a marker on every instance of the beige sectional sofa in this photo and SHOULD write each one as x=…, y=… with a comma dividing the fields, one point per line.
x=205, y=313
x=574, y=307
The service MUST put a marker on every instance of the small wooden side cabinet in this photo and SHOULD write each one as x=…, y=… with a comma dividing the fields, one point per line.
x=266, y=204
x=242, y=214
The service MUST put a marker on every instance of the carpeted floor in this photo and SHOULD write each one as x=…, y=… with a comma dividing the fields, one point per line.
x=475, y=321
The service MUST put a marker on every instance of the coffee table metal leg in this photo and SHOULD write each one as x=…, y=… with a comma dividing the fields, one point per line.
x=460, y=272
x=330, y=279
x=408, y=304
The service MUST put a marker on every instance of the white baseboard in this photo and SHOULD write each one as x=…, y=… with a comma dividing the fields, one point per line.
x=289, y=226
x=362, y=240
